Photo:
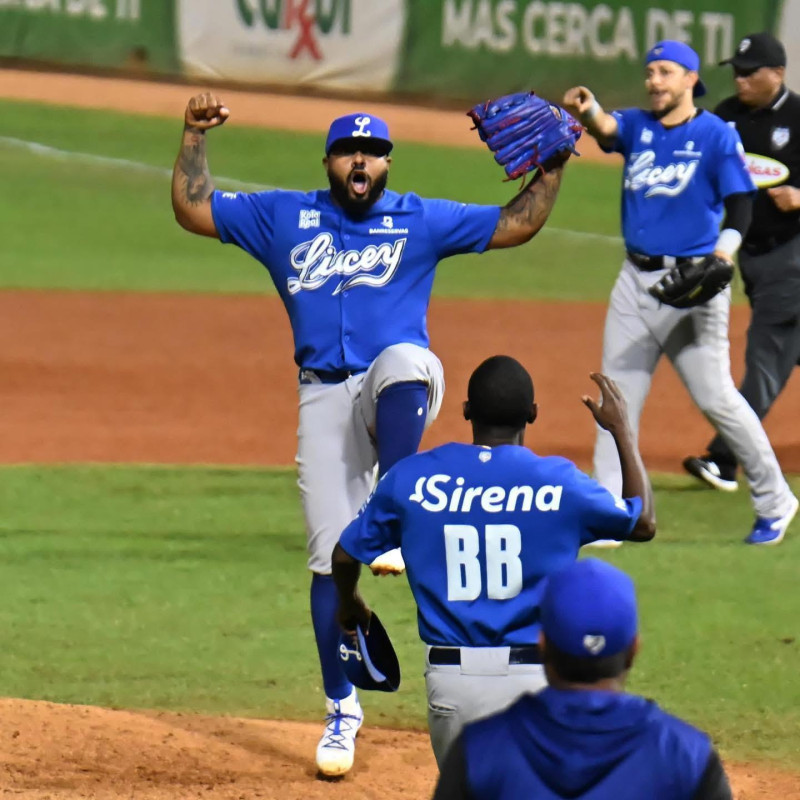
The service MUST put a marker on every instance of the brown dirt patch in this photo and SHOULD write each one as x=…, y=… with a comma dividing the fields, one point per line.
x=181, y=379
x=61, y=752
x=196, y=378
x=259, y=109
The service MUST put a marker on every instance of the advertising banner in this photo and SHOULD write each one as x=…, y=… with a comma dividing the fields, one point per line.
x=477, y=48
x=339, y=44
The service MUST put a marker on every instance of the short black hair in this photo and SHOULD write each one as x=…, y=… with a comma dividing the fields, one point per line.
x=581, y=669
x=500, y=393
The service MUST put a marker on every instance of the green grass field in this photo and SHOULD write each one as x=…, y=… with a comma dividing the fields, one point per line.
x=186, y=588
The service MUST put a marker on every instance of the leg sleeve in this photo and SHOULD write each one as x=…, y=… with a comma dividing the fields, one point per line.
x=402, y=363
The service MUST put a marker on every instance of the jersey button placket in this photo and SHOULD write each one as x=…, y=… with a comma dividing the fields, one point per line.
x=345, y=333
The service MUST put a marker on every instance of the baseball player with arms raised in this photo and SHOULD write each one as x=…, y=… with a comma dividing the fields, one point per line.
x=481, y=525
x=354, y=267
x=684, y=170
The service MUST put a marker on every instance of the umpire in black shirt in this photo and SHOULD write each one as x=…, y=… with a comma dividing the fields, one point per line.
x=767, y=116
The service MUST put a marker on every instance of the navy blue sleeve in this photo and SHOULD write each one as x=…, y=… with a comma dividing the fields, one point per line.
x=246, y=220
x=376, y=529
x=714, y=783
x=459, y=227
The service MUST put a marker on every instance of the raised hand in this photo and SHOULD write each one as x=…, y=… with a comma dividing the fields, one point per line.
x=578, y=100
x=205, y=111
x=612, y=411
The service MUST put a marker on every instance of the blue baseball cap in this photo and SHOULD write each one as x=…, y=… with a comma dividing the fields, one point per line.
x=357, y=125
x=589, y=610
x=368, y=659
x=680, y=53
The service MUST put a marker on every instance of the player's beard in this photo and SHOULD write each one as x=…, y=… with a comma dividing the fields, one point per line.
x=674, y=102
x=357, y=206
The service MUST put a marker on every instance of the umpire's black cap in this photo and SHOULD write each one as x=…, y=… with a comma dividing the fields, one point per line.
x=758, y=50
x=368, y=658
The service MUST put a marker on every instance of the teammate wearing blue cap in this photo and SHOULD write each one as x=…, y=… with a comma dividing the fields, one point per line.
x=583, y=736
x=354, y=267
x=684, y=170
x=481, y=525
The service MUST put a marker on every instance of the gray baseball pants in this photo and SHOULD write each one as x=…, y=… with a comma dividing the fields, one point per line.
x=638, y=331
x=483, y=684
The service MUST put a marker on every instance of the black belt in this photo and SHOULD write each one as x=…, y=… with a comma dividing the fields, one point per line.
x=765, y=244
x=451, y=656
x=654, y=263
x=327, y=376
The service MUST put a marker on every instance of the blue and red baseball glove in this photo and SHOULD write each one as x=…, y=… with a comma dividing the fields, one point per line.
x=526, y=132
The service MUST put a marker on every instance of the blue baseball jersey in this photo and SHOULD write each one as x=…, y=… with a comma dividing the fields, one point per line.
x=584, y=744
x=352, y=287
x=675, y=181
x=480, y=528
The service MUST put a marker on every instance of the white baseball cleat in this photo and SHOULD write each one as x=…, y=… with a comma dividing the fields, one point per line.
x=606, y=543
x=390, y=563
x=337, y=747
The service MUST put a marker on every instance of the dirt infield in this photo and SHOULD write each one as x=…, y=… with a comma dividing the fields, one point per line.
x=60, y=752
x=110, y=378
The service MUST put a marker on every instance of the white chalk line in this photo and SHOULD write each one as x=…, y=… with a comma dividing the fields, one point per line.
x=46, y=151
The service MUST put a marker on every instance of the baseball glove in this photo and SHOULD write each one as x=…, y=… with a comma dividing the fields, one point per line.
x=526, y=132
x=692, y=284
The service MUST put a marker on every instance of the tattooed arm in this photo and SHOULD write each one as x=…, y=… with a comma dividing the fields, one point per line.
x=191, y=181
x=523, y=217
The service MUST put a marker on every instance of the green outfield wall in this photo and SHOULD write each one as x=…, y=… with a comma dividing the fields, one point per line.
x=453, y=50
x=469, y=48
x=123, y=34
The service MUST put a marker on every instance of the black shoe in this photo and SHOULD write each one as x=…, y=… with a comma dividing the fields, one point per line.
x=711, y=473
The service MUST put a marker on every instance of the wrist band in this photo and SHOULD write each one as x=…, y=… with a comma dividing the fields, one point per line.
x=729, y=241
x=592, y=112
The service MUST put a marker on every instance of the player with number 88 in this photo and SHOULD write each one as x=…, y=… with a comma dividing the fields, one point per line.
x=480, y=526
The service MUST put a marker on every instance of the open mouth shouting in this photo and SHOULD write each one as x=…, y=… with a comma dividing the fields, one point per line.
x=359, y=182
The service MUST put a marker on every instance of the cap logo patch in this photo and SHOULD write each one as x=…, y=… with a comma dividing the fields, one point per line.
x=658, y=50
x=744, y=45
x=361, y=123
x=594, y=644
x=484, y=456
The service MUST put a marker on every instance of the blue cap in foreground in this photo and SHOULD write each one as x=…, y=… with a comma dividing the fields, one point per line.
x=589, y=610
x=680, y=53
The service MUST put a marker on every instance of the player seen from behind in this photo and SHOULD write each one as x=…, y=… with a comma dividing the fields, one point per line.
x=481, y=525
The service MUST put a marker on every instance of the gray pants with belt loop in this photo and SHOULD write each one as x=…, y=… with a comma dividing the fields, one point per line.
x=483, y=684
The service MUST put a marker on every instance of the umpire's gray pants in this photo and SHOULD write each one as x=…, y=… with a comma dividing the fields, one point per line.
x=772, y=282
x=483, y=684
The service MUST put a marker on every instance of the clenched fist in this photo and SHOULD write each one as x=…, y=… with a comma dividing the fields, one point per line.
x=205, y=111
